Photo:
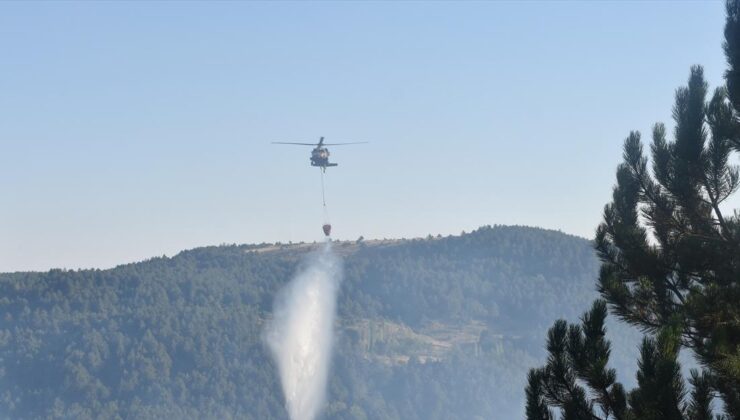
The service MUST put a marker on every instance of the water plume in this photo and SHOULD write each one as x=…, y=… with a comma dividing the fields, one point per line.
x=301, y=333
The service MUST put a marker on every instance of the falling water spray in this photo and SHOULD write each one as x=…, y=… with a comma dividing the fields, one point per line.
x=301, y=333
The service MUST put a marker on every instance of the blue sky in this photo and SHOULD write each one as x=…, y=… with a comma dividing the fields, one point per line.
x=131, y=129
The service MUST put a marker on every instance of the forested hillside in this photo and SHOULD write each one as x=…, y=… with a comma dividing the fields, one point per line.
x=436, y=328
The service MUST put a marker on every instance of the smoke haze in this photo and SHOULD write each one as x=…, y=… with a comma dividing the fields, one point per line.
x=301, y=334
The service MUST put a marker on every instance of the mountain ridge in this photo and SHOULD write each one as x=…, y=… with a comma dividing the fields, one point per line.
x=427, y=328
x=305, y=245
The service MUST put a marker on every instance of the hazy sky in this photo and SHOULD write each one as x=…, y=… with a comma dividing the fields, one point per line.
x=130, y=130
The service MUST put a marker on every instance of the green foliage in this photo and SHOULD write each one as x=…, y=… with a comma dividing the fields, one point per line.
x=578, y=357
x=660, y=392
x=700, y=407
x=671, y=258
x=577, y=381
x=732, y=52
x=537, y=408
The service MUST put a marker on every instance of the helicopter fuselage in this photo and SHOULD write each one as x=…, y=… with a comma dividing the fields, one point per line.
x=320, y=158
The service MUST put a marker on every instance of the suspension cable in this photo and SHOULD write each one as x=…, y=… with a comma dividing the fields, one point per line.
x=323, y=194
x=323, y=197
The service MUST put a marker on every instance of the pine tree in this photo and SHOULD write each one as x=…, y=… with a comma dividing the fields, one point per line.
x=700, y=407
x=670, y=256
x=578, y=357
x=537, y=408
x=577, y=381
x=660, y=391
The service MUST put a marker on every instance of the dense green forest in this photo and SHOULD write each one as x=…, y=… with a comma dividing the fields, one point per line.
x=435, y=328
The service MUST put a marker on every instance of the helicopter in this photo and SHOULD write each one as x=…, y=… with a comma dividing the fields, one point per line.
x=320, y=154
x=320, y=159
